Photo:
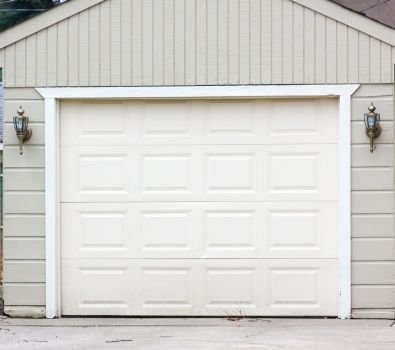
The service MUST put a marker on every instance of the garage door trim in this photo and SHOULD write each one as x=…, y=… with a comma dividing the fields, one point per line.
x=52, y=97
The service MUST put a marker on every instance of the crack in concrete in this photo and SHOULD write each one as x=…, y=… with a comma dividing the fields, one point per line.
x=119, y=341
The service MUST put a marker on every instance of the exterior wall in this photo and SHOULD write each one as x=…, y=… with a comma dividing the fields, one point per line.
x=196, y=42
x=24, y=233
x=373, y=293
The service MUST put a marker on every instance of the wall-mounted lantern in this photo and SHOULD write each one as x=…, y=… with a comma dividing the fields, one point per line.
x=21, y=126
x=372, y=125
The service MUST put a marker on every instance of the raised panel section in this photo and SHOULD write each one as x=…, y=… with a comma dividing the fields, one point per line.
x=230, y=230
x=231, y=288
x=294, y=287
x=174, y=170
x=99, y=173
x=294, y=230
x=178, y=289
x=300, y=173
x=98, y=123
x=96, y=231
x=166, y=230
x=300, y=230
x=102, y=231
x=300, y=121
x=310, y=286
x=294, y=172
x=230, y=173
x=230, y=119
x=163, y=119
x=95, y=289
x=199, y=287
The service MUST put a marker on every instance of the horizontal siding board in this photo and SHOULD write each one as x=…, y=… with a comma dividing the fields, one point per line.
x=33, y=109
x=384, y=106
x=371, y=273
x=374, y=90
x=25, y=311
x=24, y=202
x=368, y=179
x=373, y=314
x=373, y=297
x=372, y=202
x=32, y=157
x=377, y=249
x=24, y=248
x=24, y=179
x=37, y=138
x=372, y=225
x=24, y=294
x=20, y=271
x=24, y=225
x=21, y=94
x=381, y=157
x=358, y=134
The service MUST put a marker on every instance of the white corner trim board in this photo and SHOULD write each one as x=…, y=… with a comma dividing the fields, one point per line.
x=52, y=97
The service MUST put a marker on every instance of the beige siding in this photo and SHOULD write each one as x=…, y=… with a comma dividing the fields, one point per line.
x=187, y=42
x=373, y=293
x=24, y=233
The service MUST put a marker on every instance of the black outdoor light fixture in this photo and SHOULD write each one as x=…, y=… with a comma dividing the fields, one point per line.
x=372, y=125
x=21, y=126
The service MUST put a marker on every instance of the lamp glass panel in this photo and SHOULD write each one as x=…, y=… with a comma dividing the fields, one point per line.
x=371, y=121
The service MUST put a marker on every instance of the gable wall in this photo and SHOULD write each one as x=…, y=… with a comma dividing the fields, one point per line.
x=196, y=42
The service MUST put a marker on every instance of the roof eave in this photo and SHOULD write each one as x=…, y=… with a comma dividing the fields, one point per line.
x=44, y=20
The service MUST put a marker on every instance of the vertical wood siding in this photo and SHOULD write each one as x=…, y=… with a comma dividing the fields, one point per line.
x=188, y=42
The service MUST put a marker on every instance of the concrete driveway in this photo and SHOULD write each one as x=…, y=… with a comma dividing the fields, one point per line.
x=207, y=334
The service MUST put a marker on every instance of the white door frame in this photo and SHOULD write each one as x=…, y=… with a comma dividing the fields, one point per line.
x=52, y=97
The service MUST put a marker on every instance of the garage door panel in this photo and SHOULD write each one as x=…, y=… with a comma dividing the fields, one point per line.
x=98, y=287
x=303, y=286
x=200, y=287
x=199, y=173
x=301, y=121
x=199, y=230
x=97, y=173
x=98, y=123
x=199, y=207
x=301, y=172
x=199, y=122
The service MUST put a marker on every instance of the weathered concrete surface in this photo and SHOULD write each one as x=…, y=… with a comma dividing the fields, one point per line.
x=192, y=334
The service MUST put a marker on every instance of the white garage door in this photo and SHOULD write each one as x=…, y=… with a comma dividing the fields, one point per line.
x=199, y=207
